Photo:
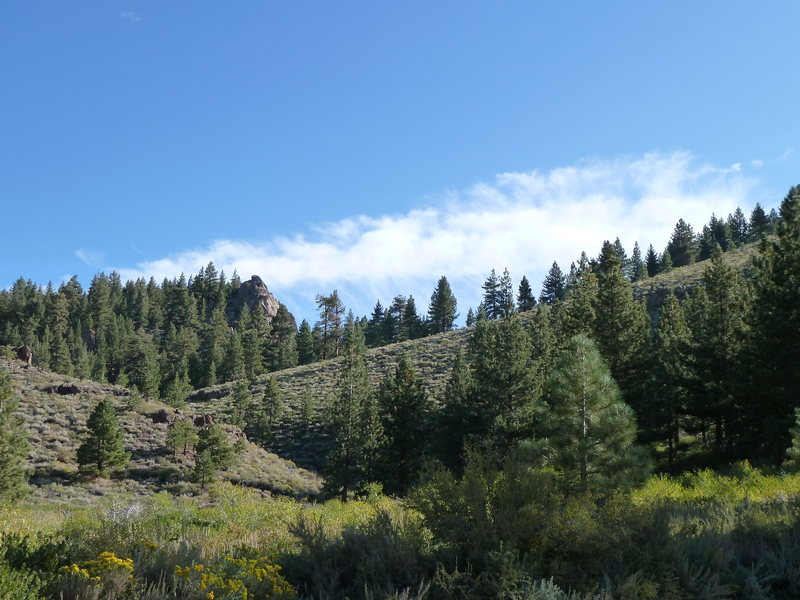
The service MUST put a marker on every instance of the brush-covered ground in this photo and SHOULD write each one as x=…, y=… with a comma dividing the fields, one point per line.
x=55, y=408
x=698, y=536
x=307, y=389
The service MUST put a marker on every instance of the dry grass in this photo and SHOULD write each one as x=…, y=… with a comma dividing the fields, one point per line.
x=57, y=425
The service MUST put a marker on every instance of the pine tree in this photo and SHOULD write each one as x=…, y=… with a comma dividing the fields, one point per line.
x=350, y=419
x=759, y=224
x=204, y=469
x=232, y=366
x=413, y=326
x=793, y=453
x=375, y=333
x=505, y=291
x=214, y=440
x=624, y=261
x=716, y=316
x=330, y=324
x=525, y=298
x=652, y=262
x=621, y=328
x=281, y=349
x=141, y=364
x=590, y=430
x=241, y=402
x=492, y=296
x=305, y=344
x=738, y=227
x=773, y=350
x=553, y=286
x=578, y=313
x=458, y=418
x=268, y=413
x=442, y=308
x=665, y=265
x=404, y=410
x=638, y=269
x=13, y=443
x=471, y=318
x=103, y=451
x=672, y=377
x=181, y=437
x=681, y=245
x=507, y=392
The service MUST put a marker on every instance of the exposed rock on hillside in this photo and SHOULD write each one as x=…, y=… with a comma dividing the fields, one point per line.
x=254, y=294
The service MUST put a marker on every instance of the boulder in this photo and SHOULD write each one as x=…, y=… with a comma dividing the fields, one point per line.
x=24, y=354
x=203, y=421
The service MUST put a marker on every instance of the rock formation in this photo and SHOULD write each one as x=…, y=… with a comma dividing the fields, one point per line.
x=256, y=296
x=25, y=354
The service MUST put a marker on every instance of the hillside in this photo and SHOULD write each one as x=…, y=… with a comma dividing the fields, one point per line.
x=55, y=408
x=301, y=436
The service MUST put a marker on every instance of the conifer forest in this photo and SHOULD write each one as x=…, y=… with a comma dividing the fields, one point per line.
x=628, y=428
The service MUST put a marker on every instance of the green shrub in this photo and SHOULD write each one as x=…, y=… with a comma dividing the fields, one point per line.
x=19, y=584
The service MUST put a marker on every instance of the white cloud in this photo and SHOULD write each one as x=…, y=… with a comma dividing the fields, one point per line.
x=92, y=259
x=522, y=221
x=131, y=16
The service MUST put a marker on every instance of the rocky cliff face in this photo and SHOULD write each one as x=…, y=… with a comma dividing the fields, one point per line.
x=256, y=296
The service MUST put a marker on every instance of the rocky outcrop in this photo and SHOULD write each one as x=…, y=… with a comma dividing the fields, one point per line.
x=256, y=296
x=25, y=354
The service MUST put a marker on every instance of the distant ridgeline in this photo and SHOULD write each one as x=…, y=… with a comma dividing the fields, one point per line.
x=180, y=335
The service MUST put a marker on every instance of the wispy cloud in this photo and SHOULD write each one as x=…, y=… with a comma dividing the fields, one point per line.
x=522, y=221
x=131, y=16
x=93, y=259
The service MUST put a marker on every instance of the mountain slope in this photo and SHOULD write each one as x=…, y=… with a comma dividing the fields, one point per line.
x=55, y=409
x=307, y=389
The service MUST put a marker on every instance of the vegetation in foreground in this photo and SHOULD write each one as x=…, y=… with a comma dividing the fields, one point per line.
x=492, y=533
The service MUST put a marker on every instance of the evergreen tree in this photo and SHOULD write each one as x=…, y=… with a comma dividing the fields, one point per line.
x=681, y=245
x=442, y=308
x=638, y=270
x=404, y=410
x=624, y=261
x=471, y=318
x=665, y=265
x=413, y=326
x=269, y=411
x=214, y=440
x=590, y=430
x=181, y=437
x=281, y=349
x=578, y=313
x=232, y=366
x=759, y=224
x=738, y=227
x=716, y=317
x=330, y=324
x=506, y=294
x=793, y=453
x=507, y=392
x=774, y=344
x=492, y=296
x=525, y=298
x=351, y=419
x=394, y=326
x=103, y=451
x=621, y=328
x=375, y=333
x=652, y=262
x=204, y=468
x=254, y=329
x=13, y=443
x=305, y=344
x=672, y=377
x=141, y=364
x=553, y=286
x=458, y=418
x=241, y=402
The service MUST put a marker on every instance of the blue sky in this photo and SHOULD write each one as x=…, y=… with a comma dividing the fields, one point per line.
x=374, y=146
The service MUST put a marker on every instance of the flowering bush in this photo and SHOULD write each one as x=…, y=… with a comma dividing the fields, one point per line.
x=238, y=579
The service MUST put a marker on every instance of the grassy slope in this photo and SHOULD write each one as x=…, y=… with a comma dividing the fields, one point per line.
x=57, y=426
x=306, y=444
